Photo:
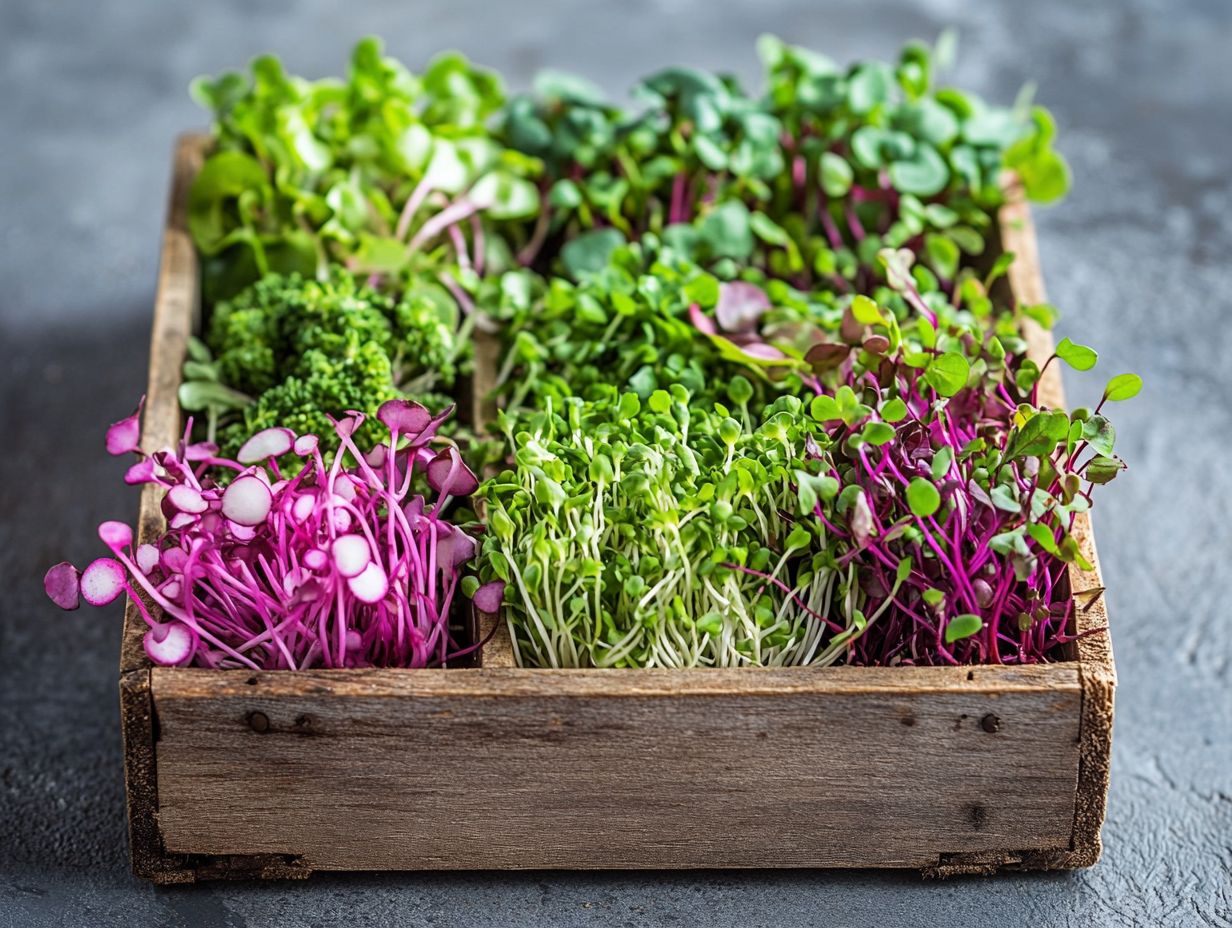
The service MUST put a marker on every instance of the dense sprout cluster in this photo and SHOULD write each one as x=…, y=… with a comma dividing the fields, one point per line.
x=815, y=263
x=766, y=396
x=293, y=352
x=341, y=565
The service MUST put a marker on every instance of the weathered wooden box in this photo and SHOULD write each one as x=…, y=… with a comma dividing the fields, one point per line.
x=279, y=774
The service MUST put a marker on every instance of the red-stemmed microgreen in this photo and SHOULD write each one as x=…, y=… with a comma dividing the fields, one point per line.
x=343, y=564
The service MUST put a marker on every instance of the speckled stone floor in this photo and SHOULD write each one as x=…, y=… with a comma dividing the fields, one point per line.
x=1137, y=259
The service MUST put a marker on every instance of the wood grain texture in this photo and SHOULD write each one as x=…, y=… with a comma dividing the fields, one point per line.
x=176, y=309
x=1093, y=650
x=277, y=774
x=536, y=768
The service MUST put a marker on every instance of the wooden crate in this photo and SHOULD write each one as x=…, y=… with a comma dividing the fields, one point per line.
x=279, y=774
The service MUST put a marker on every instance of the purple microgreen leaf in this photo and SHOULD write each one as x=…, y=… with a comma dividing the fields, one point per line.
x=315, y=559
x=268, y=443
x=306, y=445
x=247, y=501
x=741, y=305
x=701, y=321
x=147, y=558
x=200, y=451
x=185, y=498
x=404, y=417
x=170, y=644
x=141, y=472
x=125, y=436
x=449, y=476
x=352, y=555
x=62, y=584
x=371, y=584
x=488, y=597
x=115, y=535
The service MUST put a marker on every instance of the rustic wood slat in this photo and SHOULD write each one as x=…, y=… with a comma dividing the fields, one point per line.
x=1094, y=649
x=176, y=312
x=278, y=774
x=524, y=768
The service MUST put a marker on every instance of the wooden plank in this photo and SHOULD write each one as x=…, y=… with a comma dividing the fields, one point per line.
x=529, y=769
x=1093, y=650
x=177, y=307
x=175, y=313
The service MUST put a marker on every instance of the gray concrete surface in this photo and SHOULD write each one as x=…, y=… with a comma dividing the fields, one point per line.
x=91, y=95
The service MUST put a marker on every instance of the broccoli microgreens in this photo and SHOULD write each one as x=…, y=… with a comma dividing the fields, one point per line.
x=617, y=525
x=338, y=566
x=292, y=352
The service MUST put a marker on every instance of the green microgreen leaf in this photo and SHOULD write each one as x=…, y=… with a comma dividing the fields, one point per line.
x=1122, y=387
x=923, y=497
x=962, y=626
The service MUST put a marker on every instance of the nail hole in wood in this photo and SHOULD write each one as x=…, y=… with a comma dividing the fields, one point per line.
x=990, y=723
x=978, y=816
x=258, y=722
x=908, y=721
x=970, y=674
x=251, y=681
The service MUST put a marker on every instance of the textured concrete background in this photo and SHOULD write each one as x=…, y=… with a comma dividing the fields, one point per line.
x=1136, y=259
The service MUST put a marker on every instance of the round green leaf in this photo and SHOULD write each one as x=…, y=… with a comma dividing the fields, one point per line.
x=1079, y=357
x=947, y=373
x=836, y=175
x=1122, y=387
x=877, y=433
x=923, y=497
x=924, y=174
x=589, y=252
x=865, y=311
x=962, y=626
x=894, y=410
x=867, y=87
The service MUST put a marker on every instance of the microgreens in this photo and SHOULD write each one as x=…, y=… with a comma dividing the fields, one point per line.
x=621, y=523
x=766, y=401
x=292, y=352
x=386, y=173
x=338, y=566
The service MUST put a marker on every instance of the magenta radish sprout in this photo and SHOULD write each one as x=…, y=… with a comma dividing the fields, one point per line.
x=340, y=566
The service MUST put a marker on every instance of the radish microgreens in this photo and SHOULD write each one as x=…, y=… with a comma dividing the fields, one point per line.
x=340, y=565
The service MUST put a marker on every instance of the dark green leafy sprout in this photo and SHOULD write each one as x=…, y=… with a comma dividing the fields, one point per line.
x=807, y=183
x=648, y=318
x=291, y=352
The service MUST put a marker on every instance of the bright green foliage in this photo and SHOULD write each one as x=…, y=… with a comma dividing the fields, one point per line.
x=628, y=326
x=765, y=401
x=621, y=524
x=310, y=173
